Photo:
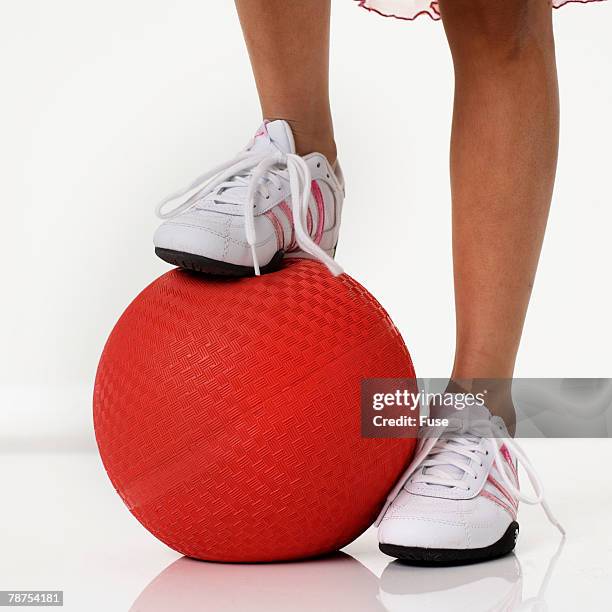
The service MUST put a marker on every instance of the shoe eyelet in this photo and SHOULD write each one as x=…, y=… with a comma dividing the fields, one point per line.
x=267, y=197
x=318, y=164
x=487, y=452
x=327, y=175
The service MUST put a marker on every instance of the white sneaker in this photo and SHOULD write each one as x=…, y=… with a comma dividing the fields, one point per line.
x=458, y=500
x=244, y=216
x=495, y=587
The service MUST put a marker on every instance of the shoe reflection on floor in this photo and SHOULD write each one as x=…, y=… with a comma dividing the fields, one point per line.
x=483, y=587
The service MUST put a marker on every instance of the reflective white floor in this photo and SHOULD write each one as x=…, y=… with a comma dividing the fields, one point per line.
x=63, y=527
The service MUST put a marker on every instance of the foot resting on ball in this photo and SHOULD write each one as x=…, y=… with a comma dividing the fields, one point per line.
x=244, y=216
x=458, y=500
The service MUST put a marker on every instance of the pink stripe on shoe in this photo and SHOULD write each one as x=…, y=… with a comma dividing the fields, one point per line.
x=318, y=196
x=499, y=502
x=508, y=457
x=278, y=229
x=285, y=208
x=503, y=491
x=309, y=222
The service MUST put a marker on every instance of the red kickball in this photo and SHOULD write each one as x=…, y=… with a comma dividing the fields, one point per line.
x=227, y=412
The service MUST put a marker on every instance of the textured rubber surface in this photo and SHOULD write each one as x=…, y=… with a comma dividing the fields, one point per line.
x=227, y=412
x=197, y=263
x=453, y=556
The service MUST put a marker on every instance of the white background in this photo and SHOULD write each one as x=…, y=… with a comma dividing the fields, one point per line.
x=107, y=106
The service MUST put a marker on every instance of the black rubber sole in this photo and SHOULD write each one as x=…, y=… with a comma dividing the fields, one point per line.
x=451, y=556
x=204, y=265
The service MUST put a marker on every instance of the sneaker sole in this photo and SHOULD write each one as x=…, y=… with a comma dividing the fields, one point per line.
x=453, y=556
x=205, y=265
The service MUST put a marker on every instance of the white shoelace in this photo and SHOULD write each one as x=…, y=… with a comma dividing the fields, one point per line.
x=460, y=440
x=254, y=170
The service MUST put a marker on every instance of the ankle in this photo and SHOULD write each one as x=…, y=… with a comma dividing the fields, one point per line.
x=497, y=395
x=312, y=137
x=314, y=140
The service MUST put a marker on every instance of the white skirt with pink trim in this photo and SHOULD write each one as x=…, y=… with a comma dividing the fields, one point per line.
x=411, y=9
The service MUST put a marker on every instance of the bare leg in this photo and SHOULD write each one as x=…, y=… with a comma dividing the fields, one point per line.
x=503, y=160
x=288, y=43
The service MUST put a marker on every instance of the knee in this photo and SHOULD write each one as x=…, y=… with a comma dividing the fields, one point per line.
x=495, y=30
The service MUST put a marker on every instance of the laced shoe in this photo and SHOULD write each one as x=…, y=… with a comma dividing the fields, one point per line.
x=458, y=500
x=244, y=216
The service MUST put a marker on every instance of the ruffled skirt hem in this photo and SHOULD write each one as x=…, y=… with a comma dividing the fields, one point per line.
x=409, y=10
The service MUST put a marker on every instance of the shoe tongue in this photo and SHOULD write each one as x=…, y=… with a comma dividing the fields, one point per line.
x=274, y=135
x=451, y=470
x=467, y=414
x=271, y=137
